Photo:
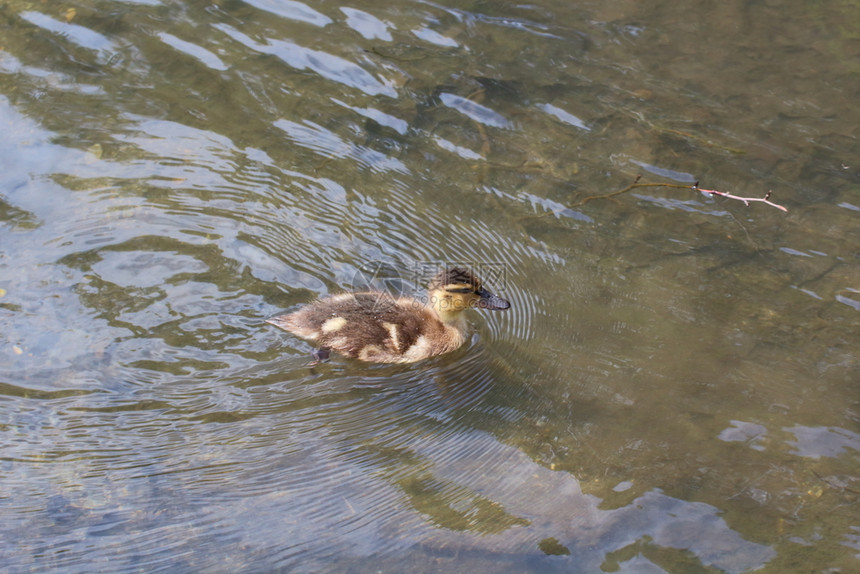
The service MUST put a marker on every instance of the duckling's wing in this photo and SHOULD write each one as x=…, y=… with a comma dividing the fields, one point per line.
x=328, y=315
x=359, y=324
x=377, y=327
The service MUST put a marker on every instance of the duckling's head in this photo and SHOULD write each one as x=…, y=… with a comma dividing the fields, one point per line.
x=455, y=289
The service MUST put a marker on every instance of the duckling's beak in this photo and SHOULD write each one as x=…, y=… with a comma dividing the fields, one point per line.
x=490, y=301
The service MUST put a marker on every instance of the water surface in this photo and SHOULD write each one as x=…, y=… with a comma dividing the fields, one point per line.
x=673, y=390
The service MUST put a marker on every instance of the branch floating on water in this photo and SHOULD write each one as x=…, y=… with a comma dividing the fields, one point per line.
x=695, y=187
x=745, y=200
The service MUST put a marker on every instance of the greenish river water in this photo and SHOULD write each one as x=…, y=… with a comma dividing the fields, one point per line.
x=674, y=389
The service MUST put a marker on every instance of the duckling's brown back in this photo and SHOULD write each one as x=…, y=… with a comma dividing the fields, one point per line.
x=370, y=326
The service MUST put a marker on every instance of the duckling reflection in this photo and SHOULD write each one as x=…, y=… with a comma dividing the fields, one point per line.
x=379, y=328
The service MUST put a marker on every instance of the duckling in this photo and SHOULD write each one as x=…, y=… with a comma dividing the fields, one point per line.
x=379, y=328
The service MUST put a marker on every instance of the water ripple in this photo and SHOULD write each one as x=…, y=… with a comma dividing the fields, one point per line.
x=206, y=57
x=326, y=65
x=475, y=111
x=292, y=10
x=368, y=25
x=79, y=35
x=328, y=144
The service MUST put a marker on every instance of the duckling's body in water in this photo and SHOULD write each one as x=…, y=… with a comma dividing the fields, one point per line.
x=380, y=328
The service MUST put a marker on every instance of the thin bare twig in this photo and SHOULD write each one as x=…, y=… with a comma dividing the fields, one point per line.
x=695, y=187
x=835, y=486
x=745, y=200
